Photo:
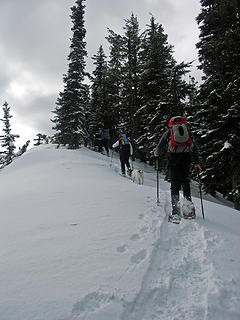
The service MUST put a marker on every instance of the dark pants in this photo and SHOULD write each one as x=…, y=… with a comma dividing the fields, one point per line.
x=124, y=159
x=179, y=168
x=104, y=143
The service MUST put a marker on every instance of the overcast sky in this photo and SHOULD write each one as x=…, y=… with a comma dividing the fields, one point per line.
x=34, y=45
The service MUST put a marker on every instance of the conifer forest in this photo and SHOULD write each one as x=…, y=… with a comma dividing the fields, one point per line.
x=138, y=86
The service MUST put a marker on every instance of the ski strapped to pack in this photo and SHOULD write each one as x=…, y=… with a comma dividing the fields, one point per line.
x=180, y=135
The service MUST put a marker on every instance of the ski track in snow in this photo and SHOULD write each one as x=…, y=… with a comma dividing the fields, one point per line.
x=178, y=271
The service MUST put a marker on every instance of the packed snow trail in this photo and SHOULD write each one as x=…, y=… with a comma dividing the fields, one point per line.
x=175, y=285
x=178, y=284
x=178, y=272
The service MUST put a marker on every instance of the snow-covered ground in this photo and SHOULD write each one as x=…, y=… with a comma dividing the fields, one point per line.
x=80, y=242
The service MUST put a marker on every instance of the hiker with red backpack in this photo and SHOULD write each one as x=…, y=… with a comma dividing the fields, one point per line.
x=181, y=152
x=125, y=150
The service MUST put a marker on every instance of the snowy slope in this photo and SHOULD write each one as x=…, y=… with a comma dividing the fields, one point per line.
x=77, y=241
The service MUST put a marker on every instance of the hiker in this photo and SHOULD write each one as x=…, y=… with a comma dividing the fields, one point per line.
x=181, y=152
x=125, y=150
x=105, y=136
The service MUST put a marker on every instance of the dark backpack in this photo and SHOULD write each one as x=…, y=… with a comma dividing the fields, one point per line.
x=105, y=134
x=180, y=138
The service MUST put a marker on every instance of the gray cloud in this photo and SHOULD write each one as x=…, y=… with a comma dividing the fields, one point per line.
x=4, y=77
x=41, y=108
x=36, y=34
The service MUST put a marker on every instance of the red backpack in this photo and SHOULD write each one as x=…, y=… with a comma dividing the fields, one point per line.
x=180, y=139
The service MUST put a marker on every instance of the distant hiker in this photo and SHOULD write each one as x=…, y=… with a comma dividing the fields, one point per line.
x=86, y=139
x=105, y=137
x=125, y=150
x=181, y=152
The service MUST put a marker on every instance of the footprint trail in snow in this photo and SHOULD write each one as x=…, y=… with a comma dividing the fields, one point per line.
x=178, y=272
x=178, y=279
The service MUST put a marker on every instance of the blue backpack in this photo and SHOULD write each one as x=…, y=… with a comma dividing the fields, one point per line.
x=124, y=143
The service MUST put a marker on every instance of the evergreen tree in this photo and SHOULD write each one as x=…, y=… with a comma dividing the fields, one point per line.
x=70, y=112
x=162, y=88
x=8, y=139
x=115, y=79
x=23, y=149
x=100, y=107
x=41, y=138
x=219, y=55
x=130, y=104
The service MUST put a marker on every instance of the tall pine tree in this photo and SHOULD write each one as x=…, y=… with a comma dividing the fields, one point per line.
x=219, y=54
x=70, y=112
x=115, y=79
x=162, y=87
x=100, y=114
x=155, y=62
x=130, y=104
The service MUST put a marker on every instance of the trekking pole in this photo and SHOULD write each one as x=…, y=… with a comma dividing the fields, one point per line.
x=157, y=165
x=200, y=192
x=132, y=161
x=111, y=159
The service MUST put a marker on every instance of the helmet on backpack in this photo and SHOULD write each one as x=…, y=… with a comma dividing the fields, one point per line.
x=177, y=119
x=180, y=135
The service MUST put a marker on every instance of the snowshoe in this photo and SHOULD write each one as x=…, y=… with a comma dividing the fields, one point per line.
x=174, y=218
x=188, y=210
x=189, y=215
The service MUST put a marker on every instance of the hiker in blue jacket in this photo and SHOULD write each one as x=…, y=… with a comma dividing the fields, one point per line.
x=125, y=150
